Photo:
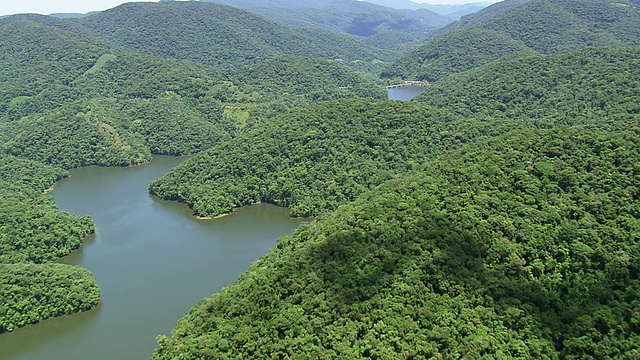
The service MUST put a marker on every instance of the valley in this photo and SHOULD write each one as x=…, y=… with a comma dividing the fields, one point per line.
x=491, y=213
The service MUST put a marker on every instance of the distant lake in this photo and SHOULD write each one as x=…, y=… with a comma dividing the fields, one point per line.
x=404, y=93
x=152, y=259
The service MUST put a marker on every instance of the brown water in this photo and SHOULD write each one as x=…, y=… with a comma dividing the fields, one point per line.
x=152, y=259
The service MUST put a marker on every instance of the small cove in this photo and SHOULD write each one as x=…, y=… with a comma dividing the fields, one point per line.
x=404, y=93
x=152, y=259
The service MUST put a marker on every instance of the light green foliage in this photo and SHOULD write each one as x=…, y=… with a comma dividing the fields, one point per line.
x=100, y=63
x=30, y=293
x=72, y=136
x=525, y=246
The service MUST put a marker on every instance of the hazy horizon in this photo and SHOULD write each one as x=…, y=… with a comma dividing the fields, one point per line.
x=46, y=7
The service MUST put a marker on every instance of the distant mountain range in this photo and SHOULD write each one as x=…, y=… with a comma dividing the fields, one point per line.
x=359, y=18
x=542, y=26
x=452, y=11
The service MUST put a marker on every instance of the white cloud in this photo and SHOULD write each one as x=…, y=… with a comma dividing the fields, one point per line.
x=9, y=7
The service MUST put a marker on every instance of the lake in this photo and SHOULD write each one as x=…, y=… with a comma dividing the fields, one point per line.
x=152, y=260
x=405, y=92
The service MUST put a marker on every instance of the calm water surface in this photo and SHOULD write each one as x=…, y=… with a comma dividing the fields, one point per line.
x=152, y=259
x=405, y=93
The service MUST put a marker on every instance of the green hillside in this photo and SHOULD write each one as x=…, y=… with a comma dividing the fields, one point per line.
x=32, y=232
x=543, y=26
x=357, y=18
x=454, y=53
x=316, y=158
x=54, y=57
x=218, y=35
x=525, y=246
x=72, y=96
x=117, y=109
x=495, y=216
x=30, y=293
x=591, y=83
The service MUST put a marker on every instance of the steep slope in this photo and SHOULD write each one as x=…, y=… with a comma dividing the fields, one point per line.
x=544, y=26
x=451, y=54
x=33, y=232
x=525, y=246
x=35, y=56
x=589, y=83
x=476, y=18
x=118, y=108
x=217, y=35
x=347, y=16
x=303, y=80
x=316, y=158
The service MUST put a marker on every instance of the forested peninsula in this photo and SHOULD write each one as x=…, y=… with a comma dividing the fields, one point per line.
x=495, y=215
x=33, y=232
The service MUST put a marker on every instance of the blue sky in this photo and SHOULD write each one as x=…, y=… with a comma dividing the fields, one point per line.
x=8, y=7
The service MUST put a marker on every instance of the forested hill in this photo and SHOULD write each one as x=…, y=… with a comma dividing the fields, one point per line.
x=591, y=83
x=69, y=102
x=451, y=11
x=349, y=17
x=316, y=158
x=32, y=232
x=217, y=35
x=480, y=16
x=542, y=26
x=525, y=246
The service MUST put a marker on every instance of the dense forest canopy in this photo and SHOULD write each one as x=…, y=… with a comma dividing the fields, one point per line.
x=30, y=293
x=218, y=35
x=358, y=18
x=494, y=216
x=111, y=89
x=118, y=109
x=522, y=247
x=510, y=26
x=316, y=158
x=32, y=232
x=601, y=84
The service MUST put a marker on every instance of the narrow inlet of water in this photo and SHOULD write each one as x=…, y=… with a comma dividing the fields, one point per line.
x=152, y=259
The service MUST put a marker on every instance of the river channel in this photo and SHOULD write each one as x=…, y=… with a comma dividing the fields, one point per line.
x=152, y=259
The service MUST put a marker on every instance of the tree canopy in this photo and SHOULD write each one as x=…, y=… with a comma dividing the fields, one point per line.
x=541, y=26
x=525, y=246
